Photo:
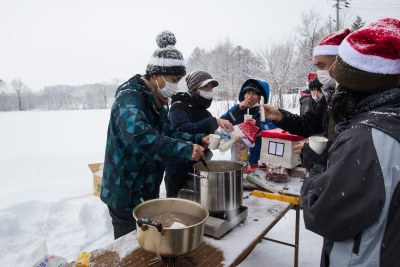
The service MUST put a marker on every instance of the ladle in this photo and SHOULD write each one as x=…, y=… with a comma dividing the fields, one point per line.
x=205, y=164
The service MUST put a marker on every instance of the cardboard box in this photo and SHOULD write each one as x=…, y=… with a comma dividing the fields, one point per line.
x=97, y=170
x=277, y=148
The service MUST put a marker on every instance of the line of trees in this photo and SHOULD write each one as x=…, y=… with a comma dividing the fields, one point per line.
x=60, y=97
x=284, y=64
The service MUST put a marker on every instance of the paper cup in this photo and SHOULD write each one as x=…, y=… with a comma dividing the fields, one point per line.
x=214, y=141
x=317, y=143
x=247, y=117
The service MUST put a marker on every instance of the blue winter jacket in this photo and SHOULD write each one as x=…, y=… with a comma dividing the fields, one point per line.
x=236, y=116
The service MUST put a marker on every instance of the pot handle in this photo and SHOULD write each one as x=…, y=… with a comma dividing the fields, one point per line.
x=143, y=221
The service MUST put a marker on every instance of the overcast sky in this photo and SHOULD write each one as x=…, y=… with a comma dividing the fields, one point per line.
x=49, y=42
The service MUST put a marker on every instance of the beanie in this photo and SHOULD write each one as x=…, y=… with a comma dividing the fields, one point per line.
x=200, y=78
x=369, y=59
x=329, y=45
x=166, y=60
x=253, y=86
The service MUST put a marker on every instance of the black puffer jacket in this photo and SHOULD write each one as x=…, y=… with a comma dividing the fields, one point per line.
x=315, y=121
x=189, y=114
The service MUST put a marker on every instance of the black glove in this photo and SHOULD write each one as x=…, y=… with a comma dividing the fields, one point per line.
x=312, y=160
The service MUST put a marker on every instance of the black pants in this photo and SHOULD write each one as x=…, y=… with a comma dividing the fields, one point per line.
x=175, y=183
x=123, y=222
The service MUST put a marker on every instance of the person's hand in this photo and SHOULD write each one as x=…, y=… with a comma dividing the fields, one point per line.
x=198, y=152
x=310, y=159
x=225, y=124
x=205, y=141
x=298, y=148
x=244, y=104
x=272, y=113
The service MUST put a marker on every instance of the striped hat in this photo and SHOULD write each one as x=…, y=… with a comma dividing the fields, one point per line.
x=166, y=60
x=200, y=78
x=329, y=45
x=369, y=59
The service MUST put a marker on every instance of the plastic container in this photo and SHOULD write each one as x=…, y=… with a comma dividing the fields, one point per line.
x=83, y=259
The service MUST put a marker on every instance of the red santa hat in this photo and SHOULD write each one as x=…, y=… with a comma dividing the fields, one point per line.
x=369, y=59
x=329, y=45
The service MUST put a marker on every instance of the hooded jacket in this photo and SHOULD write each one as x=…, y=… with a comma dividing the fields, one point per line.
x=354, y=204
x=139, y=142
x=189, y=114
x=236, y=116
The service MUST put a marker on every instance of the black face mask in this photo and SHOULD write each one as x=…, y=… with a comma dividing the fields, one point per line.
x=200, y=101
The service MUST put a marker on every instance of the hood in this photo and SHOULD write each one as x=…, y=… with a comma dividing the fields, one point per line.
x=261, y=83
x=133, y=83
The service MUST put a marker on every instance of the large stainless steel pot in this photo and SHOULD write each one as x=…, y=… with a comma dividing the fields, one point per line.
x=220, y=187
x=169, y=242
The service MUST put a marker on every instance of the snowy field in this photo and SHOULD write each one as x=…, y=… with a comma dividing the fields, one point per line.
x=48, y=191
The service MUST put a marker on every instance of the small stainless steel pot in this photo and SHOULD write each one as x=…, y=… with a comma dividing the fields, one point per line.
x=221, y=187
x=169, y=242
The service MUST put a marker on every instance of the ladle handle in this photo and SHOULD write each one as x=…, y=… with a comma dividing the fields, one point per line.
x=197, y=176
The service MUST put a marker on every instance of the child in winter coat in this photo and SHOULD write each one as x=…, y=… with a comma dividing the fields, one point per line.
x=189, y=114
x=249, y=98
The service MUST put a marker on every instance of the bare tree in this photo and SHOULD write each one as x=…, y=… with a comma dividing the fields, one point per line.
x=104, y=94
x=280, y=59
x=310, y=31
x=18, y=86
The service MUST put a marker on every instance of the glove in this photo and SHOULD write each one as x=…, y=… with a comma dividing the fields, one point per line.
x=312, y=160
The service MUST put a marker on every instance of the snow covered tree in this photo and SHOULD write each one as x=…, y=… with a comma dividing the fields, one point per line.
x=18, y=87
x=280, y=59
x=357, y=24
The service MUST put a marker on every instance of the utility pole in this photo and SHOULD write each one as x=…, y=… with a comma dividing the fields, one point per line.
x=340, y=4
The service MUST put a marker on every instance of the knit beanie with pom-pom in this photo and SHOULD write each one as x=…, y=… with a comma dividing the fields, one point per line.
x=166, y=60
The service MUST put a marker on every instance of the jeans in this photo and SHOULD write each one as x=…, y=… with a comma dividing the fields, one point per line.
x=123, y=222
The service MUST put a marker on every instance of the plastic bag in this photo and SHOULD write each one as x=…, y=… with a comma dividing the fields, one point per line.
x=40, y=258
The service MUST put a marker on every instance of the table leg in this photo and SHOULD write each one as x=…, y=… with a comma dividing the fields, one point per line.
x=297, y=237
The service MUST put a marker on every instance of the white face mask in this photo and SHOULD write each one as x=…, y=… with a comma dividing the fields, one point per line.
x=168, y=90
x=206, y=94
x=314, y=96
x=326, y=79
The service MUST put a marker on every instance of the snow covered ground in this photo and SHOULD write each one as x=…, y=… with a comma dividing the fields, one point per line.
x=47, y=191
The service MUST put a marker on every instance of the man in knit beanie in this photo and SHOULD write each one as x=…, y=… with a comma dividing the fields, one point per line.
x=354, y=202
x=139, y=139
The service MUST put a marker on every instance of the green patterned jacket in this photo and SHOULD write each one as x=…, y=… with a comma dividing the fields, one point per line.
x=139, y=142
